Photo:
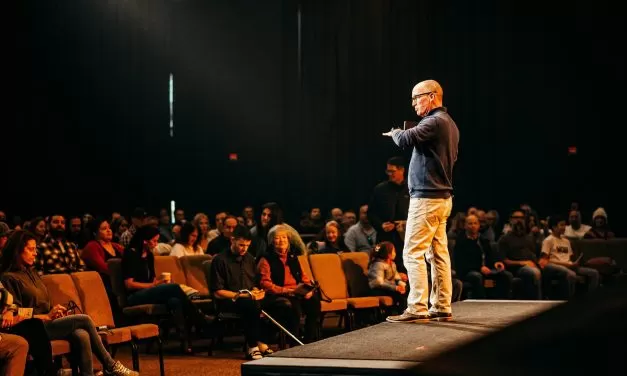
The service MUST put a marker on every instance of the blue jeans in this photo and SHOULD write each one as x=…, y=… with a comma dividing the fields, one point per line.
x=568, y=278
x=81, y=332
x=532, y=281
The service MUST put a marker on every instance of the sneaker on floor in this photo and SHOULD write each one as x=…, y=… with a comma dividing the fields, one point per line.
x=441, y=316
x=408, y=317
x=119, y=370
x=254, y=353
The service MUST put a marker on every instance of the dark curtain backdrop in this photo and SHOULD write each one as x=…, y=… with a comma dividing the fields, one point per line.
x=302, y=90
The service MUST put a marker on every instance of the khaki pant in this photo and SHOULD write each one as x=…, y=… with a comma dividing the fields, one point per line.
x=13, y=352
x=426, y=236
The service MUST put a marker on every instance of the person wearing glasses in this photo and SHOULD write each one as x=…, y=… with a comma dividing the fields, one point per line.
x=388, y=206
x=361, y=236
x=434, y=141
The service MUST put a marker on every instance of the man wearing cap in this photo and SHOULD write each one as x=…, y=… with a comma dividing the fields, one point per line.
x=137, y=221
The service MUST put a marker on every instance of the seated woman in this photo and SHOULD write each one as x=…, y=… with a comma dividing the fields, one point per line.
x=138, y=270
x=28, y=290
x=100, y=249
x=383, y=277
x=332, y=240
x=285, y=285
x=188, y=242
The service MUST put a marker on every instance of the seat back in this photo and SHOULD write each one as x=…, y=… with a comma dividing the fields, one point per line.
x=304, y=266
x=61, y=290
x=355, y=266
x=94, y=297
x=170, y=264
x=194, y=272
x=117, y=280
x=327, y=270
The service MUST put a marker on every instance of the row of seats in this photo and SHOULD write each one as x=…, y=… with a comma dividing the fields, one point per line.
x=87, y=293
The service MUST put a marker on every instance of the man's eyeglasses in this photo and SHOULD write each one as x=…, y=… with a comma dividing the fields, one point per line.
x=517, y=217
x=415, y=97
x=390, y=172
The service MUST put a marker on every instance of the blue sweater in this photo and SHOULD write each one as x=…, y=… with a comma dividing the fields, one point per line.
x=435, y=141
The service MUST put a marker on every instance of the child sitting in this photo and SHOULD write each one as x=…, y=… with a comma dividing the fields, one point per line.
x=383, y=277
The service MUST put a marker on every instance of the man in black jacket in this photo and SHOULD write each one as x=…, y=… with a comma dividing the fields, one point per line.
x=387, y=209
x=476, y=261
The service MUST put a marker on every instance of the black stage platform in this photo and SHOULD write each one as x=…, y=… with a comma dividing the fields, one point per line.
x=395, y=348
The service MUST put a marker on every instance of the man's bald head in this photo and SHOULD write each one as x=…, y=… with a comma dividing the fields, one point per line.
x=430, y=86
x=426, y=95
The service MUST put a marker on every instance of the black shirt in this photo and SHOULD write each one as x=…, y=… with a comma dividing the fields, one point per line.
x=472, y=254
x=218, y=245
x=517, y=248
x=141, y=269
x=232, y=272
x=389, y=203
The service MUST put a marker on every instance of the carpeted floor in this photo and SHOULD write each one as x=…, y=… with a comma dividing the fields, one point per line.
x=226, y=361
x=419, y=341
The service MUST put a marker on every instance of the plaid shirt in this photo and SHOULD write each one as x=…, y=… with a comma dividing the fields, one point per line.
x=125, y=238
x=56, y=257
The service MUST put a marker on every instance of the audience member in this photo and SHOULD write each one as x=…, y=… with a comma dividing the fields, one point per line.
x=383, y=278
x=519, y=252
x=231, y=273
x=188, y=243
x=144, y=287
x=137, y=221
x=29, y=291
x=201, y=221
x=223, y=241
x=285, y=285
x=600, y=228
x=556, y=261
x=476, y=261
x=575, y=229
x=361, y=236
x=55, y=254
x=389, y=204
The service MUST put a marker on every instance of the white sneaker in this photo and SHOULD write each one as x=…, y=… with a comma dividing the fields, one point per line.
x=254, y=353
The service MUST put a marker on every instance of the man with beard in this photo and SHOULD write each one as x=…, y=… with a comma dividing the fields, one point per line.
x=575, y=229
x=55, y=254
x=519, y=252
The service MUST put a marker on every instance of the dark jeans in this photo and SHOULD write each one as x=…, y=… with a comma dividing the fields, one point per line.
x=34, y=332
x=567, y=278
x=531, y=279
x=82, y=334
x=288, y=310
x=503, y=280
x=172, y=296
x=250, y=311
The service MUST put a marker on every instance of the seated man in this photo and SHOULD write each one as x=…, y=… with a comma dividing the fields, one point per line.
x=223, y=241
x=281, y=277
x=232, y=272
x=55, y=254
x=476, y=261
x=519, y=252
x=556, y=263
